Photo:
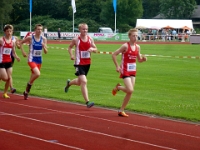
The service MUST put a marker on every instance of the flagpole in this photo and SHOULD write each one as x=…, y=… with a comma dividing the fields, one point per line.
x=73, y=11
x=30, y=21
x=30, y=3
x=115, y=21
x=73, y=21
x=115, y=10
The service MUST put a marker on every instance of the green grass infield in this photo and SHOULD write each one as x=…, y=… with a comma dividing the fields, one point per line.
x=168, y=84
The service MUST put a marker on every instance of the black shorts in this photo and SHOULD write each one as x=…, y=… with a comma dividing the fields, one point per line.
x=6, y=65
x=128, y=76
x=13, y=60
x=82, y=69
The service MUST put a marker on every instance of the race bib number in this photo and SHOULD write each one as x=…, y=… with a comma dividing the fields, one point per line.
x=37, y=53
x=85, y=54
x=7, y=51
x=131, y=67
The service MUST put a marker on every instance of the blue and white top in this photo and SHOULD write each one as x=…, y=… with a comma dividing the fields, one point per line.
x=35, y=51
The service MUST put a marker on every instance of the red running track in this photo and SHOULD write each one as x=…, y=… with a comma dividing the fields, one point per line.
x=42, y=124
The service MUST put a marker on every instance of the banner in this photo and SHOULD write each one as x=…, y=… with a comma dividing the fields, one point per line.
x=95, y=36
x=30, y=3
x=73, y=6
x=115, y=5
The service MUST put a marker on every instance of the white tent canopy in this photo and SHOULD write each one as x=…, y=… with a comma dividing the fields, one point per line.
x=161, y=23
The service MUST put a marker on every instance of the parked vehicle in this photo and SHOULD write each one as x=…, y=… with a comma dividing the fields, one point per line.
x=105, y=30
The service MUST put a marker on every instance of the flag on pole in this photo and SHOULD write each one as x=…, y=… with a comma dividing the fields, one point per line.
x=30, y=5
x=73, y=6
x=115, y=5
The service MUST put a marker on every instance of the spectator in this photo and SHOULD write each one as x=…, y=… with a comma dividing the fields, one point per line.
x=45, y=32
x=174, y=34
x=59, y=35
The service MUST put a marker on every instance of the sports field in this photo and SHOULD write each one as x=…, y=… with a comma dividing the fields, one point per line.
x=166, y=85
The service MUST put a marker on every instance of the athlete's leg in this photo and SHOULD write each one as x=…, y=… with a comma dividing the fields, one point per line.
x=129, y=83
x=34, y=75
x=3, y=74
x=13, y=90
x=83, y=84
x=74, y=82
x=7, y=84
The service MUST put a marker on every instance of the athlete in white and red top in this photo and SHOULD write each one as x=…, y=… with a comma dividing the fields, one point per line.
x=7, y=46
x=82, y=53
x=84, y=46
x=130, y=53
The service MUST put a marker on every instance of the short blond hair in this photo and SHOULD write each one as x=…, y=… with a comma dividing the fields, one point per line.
x=38, y=25
x=82, y=24
x=131, y=31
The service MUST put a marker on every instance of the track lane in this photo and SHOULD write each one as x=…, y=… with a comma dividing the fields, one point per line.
x=105, y=125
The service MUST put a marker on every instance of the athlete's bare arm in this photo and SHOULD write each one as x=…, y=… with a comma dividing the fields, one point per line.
x=122, y=49
x=44, y=45
x=140, y=57
x=71, y=45
x=14, y=52
x=93, y=47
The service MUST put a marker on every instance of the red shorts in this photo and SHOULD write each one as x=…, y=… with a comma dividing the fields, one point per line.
x=33, y=65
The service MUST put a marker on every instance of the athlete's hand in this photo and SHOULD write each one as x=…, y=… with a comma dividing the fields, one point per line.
x=91, y=50
x=24, y=54
x=18, y=59
x=45, y=51
x=44, y=48
x=72, y=57
x=144, y=58
x=118, y=69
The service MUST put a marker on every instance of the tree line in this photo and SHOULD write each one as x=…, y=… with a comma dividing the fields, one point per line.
x=59, y=14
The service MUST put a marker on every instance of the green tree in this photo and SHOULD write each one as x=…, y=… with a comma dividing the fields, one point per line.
x=5, y=10
x=54, y=8
x=151, y=8
x=177, y=9
x=87, y=9
x=127, y=13
x=198, y=2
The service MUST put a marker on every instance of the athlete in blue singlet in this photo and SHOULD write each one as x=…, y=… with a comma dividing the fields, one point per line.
x=37, y=42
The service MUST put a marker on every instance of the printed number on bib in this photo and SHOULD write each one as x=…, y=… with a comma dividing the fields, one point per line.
x=131, y=67
x=85, y=54
x=37, y=53
x=7, y=51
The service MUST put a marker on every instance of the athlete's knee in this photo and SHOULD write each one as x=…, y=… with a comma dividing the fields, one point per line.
x=83, y=82
x=129, y=90
x=4, y=78
x=37, y=73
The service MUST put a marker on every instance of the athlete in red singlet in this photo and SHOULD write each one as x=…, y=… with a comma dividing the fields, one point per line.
x=6, y=47
x=84, y=45
x=130, y=53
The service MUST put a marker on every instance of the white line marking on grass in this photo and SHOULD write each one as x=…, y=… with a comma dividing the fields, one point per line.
x=39, y=139
x=151, y=55
x=89, y=131
x=97, y=118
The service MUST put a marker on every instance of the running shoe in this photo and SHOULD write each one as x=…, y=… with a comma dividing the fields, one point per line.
x=5, y=95
x=122, y=114
x=67, y=86
x=89, y=104
x=25, y=95
x=115, y=90
x=13, y=90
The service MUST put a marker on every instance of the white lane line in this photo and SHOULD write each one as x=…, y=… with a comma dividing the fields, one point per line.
x=90, y=131
x=97, y=118
x=39, y=139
